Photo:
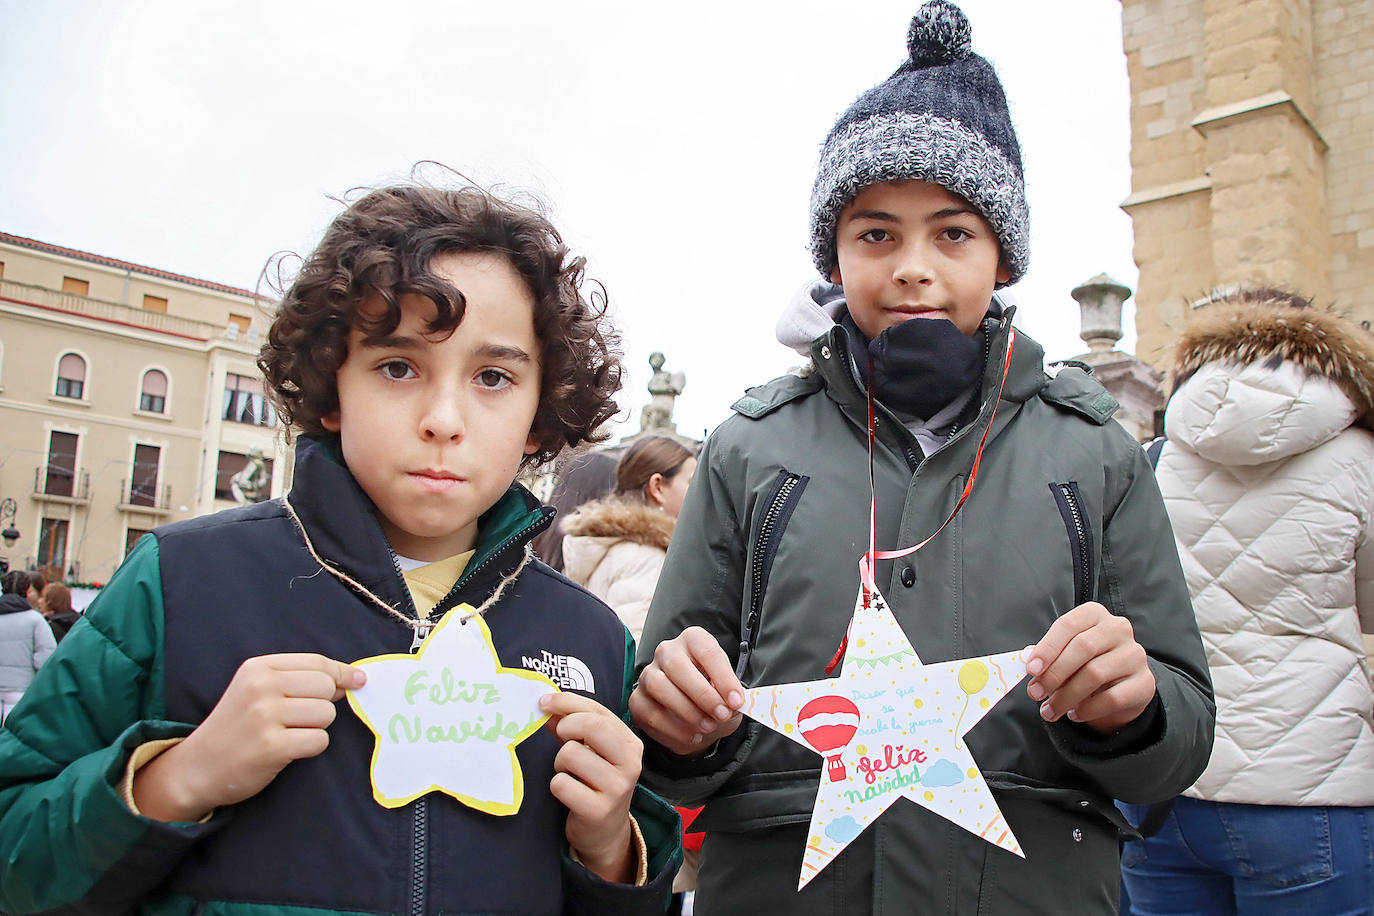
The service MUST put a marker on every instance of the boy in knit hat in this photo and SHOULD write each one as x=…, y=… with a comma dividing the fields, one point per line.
x=918, y=215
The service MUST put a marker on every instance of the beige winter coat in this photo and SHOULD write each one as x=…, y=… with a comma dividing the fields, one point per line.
x=615, y=548
x=1270, y=489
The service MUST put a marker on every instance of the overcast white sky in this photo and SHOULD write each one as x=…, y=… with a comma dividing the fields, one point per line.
x=674, y=143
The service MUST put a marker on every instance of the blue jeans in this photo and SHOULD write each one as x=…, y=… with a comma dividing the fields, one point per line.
x=1252, y=860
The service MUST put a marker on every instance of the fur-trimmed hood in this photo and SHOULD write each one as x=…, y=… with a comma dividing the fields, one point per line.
x=622, y=520
x=1261, y=381
x=1319, y=341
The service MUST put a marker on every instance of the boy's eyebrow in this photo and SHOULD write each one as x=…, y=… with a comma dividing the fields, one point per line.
x=392, y=342
x=881, y=215
x=884, y=216
x=504, y=351
x=412, y=342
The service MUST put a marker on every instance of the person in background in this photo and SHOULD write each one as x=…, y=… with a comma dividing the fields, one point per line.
x=37, y=583
x=615, y=546
x=25, y=640
x=1268, y=478
x=56, y=605
x=581, y=478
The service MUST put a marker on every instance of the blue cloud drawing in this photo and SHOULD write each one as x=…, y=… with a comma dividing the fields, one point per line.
x=942, y=774
x=842, y=830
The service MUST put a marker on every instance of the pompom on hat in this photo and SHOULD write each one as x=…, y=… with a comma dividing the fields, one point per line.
x=941, y=118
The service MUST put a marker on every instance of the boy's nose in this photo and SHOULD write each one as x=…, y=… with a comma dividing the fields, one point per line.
x=443, y=418
x=912, y=265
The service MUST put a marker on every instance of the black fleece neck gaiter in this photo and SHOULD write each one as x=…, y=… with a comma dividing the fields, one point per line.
x=920, y=365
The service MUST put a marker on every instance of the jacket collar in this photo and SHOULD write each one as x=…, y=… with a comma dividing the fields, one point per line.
x=339, y=521
x=830, y=354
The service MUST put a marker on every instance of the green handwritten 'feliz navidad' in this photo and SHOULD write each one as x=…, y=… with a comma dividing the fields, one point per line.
x=457, y=728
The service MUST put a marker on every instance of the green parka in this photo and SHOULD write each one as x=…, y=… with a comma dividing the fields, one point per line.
x=1065, y=510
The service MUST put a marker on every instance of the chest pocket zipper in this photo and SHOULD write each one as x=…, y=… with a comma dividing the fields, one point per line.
x=1070, y=501
x=782, y=501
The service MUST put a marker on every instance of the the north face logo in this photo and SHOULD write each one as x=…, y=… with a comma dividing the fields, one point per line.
x=567, y=671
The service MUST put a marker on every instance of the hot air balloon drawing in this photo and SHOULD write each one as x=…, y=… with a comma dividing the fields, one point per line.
x=828, y=724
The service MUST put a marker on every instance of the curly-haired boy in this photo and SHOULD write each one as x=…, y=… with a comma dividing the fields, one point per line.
x=181, y=753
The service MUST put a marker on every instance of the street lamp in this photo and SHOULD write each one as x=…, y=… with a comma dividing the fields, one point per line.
x=8, y=509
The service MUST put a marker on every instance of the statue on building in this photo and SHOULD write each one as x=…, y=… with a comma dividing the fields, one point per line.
x=657, y=415
x=252, y=484
x=1136, y=385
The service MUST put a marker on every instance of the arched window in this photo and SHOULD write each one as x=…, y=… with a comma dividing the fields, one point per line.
x=71, y=376
x=154, y=395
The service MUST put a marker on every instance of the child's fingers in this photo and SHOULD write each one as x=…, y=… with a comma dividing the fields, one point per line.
x=1117, y=703
x=344, y=676
x=605, y=734
x=665, y=690
x=577, y=797
x=301, y=743
x=303, y=712
x=313, y=684
x=1098, y=673
x=661, y=723
x=712, y=661
x=689, y=663
x=1082, y=634
x=593, y=770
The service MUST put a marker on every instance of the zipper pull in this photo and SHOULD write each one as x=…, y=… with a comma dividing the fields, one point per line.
x=421, y=629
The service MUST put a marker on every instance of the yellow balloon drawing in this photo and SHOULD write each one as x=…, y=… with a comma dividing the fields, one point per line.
x=973, y=677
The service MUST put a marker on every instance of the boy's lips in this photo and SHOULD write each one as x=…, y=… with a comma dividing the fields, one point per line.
x=436, y=481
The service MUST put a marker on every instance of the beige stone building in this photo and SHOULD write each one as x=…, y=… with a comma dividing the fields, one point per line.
x=1252, y=152
x=129, y=398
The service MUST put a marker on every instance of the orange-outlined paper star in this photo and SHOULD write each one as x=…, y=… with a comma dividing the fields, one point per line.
x=890, y=727
x=453, y=713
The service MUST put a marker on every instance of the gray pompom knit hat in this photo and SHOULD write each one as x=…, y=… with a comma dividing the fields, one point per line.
x=941, y=118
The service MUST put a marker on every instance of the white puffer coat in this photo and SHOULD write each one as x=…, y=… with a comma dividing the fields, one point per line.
x=1270, y=489
x=615, y=548
x=26, y=641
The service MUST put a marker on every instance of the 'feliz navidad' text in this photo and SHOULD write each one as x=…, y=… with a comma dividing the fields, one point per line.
x=410, y=729
x=893, y=758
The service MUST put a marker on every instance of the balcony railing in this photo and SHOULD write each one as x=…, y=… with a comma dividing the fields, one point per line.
x=134, y=497
x=61, y=485
x=42, y=297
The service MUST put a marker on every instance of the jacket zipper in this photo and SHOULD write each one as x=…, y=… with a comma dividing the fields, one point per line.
x=419, y=807
x=784, y=498
x=418, y=869
x=417, y=872
x=1070, y=502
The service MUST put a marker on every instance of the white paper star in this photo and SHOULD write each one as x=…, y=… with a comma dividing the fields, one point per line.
x=890, y=727
x=450, y=713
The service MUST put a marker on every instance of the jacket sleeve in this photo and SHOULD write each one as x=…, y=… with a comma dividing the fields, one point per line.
x=43, y=642
x=701, y=585
x=586, y=893
x=1141, y=578
x=68, y=842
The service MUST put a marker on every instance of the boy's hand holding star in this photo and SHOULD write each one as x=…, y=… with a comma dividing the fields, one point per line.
x=275, y=710
x=688, y=697
x=595, y=775
x=1089, y=667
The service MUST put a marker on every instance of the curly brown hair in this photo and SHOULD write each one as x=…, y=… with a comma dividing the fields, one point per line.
x=382, y=246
